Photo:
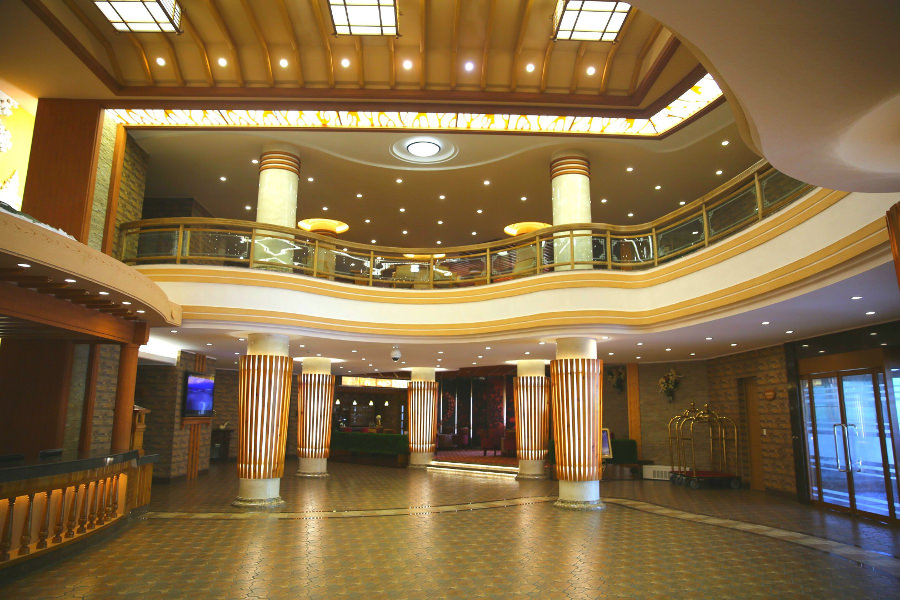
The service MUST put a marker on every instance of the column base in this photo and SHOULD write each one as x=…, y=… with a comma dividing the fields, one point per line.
x=579, y=495
x=531, y=469
x=313, y=467
x=258, y=493
x=420, y=459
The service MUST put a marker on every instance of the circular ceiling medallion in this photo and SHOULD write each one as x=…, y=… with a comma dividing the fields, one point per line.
x=423, y=150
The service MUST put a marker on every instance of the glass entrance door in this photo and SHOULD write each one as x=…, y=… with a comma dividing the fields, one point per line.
x=850, y=443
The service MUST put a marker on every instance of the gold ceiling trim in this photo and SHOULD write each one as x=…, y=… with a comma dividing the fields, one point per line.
x=696, y=98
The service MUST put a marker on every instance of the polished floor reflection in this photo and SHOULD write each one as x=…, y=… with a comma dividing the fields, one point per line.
x=377, y=532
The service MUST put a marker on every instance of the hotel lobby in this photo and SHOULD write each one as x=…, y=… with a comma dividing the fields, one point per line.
x=487, y=299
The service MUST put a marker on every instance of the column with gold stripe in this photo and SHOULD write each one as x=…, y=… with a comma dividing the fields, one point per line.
x=570, y=184
x=264, y=389
x=276, y=203
x=530, y=399
x=576, y=398
x=423, y=407
x=314, y=407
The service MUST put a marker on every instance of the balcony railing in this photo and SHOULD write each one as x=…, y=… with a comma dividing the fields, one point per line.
x=746, y=199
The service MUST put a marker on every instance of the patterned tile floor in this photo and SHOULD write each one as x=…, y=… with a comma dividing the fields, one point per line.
x=374, y=532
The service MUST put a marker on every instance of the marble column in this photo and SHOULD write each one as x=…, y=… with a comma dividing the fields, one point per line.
x=530, y=399
x=276, y=204
x=264, y=389
x=576, y=397
x=423, y=405
x=314, y=408
x=570, y=182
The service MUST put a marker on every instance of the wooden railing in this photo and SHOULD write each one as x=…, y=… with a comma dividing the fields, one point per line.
x=745, y=199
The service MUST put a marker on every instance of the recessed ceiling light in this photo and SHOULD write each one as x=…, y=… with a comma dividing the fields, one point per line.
x=301, y=345
x=764, y=323
x=681, y=203
x=283, y=63
x=438, y=242
x=399, y=180
x=821, y=352
x=237, y=353
x=248, y=207
x=368, y=220
x=630, y=214
x=724, y=142
x=354, y=351
x=541, y=343
x=874, y=333
x=405, y=232
x=442, y=197
x=604, y=337
x=698, y=233
x=733, y=345
x=591, y=70
x=693, y=354
x=310, y=179
x=209, y=343
x=359, y=195
x=345, y=62
x=440, y=222
x=474, y=363
x=806, y=345
x=629, y=169
x=523, y=198
x=70, y=280
x=402, y=210
x=638, y=357
x=658, y=187
x=374, y=241
x=479, y=211
x=23, y=265
x=223, y=178
x=126, y=303
x=487, y=347
x=242, y=339
x=871, y=312
x=612, y=353
x=254, y=161
x=528, y=353
x=223, y=62
x=719, y=172
x=603, y=201
x=668, y=349
x=487, y=182
x=407, y=64
x=103, y=293
x=708, y=339
x=173, y=331
x=469, y=66
x=324, y=208
x=856, y=297
x=789, y=331
x=530, y=67
x=480, y=356
x=639, y=344
x=423, y=148
x=474, y=233
x=160, y=61
x=140, y=312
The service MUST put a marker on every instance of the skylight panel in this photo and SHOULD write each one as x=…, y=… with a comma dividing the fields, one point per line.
x=364, y=17
x=141, y=16
x=589, y=21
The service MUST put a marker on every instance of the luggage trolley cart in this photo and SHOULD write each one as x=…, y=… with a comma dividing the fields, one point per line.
x=721, y=435
x=675, y=449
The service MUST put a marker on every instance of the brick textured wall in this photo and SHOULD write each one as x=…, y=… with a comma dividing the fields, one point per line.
x=615, y=403
x=159, y=388
x=105, y=399
x=225, y=400
x=131, y=188
x=80, y=355
x=656, y=410
x=768, y=367
x=101, y=183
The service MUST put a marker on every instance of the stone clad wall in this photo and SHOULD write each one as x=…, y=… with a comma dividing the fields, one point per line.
x=105, y=398
x=158, y=388
x=768, y=367
x=131, y=188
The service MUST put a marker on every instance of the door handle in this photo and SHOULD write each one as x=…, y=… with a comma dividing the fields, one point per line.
x=849, y=448
x=837, y=455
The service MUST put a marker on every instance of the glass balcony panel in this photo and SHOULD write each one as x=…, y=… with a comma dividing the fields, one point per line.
x=352, y=264
x=680, y=237
x=598, y=249
x=461, y=270
x=215, y=244
x=740, y=209
x=151, y=243
x=276, y=251
x=632, y=250
x=778, y=188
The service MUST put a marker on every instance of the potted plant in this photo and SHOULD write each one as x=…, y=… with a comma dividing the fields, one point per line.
x=668, y=383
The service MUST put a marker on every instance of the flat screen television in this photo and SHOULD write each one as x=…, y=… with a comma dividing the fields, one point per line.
x=198, y=395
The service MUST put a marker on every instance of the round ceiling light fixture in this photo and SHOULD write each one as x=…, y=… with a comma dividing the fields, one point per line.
x=423, y=150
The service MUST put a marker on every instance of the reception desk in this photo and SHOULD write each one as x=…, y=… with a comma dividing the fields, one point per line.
x=51, y=504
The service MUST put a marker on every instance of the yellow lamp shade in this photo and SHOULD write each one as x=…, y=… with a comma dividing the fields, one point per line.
x=524, y=227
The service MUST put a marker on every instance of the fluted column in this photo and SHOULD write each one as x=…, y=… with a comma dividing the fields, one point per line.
x=570, y=182
x=576, y=398
x=276, y=203
x=423, y=406
x=314, y=407
x=530, y=399
x=264, y=389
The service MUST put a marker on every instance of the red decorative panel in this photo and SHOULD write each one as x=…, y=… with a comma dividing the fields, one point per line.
x=575, y=391
x=314, y=413
x=423, y=406
x=532, y=416
x=264, y=393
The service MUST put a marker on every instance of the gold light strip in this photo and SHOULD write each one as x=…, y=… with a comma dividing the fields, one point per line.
x=532, y=416
x=423, y=396
x=264, y=389
x=575, y=391
x=314, y=413
x=695, y=99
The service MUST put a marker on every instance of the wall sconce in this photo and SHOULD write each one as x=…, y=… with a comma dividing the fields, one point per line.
x=769, y=394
